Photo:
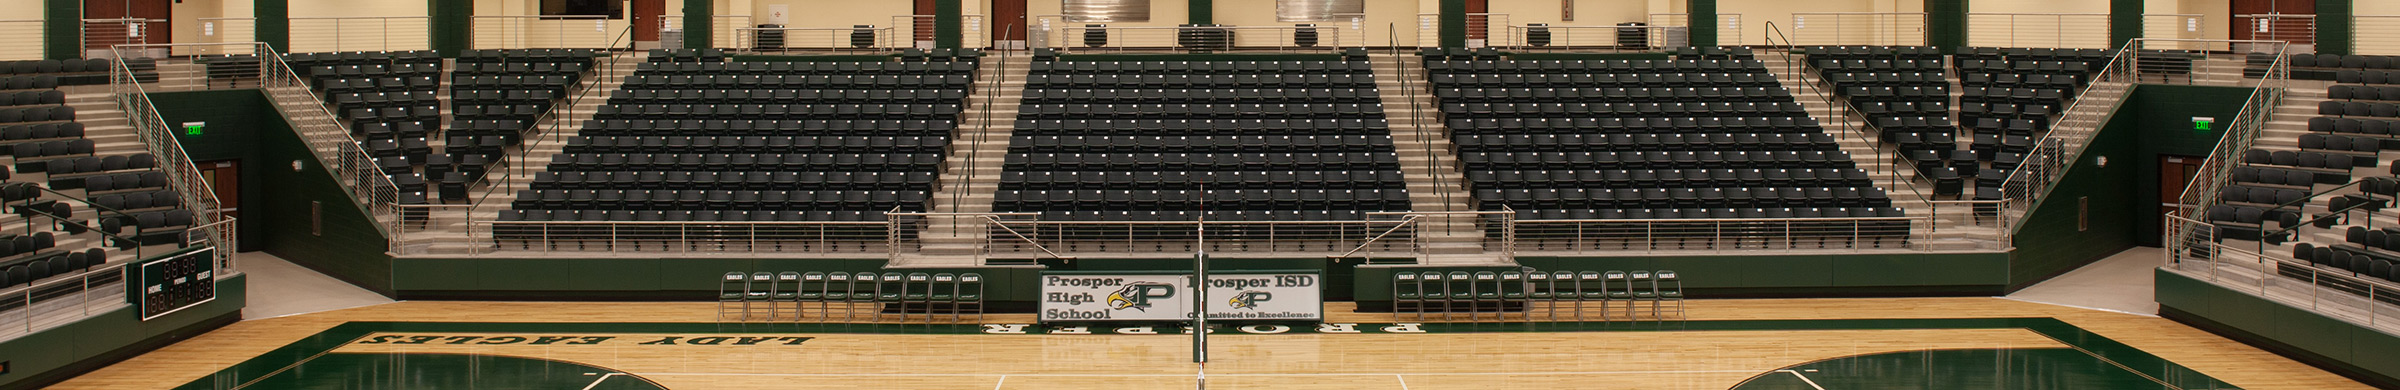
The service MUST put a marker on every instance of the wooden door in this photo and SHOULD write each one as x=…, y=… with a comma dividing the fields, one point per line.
x=103, y=35
x=646, y=16
x=1008, y=21
x=1478, y=26
x=923, y=22
x=2175, y=173
x=226, y=178
x=2248, y=28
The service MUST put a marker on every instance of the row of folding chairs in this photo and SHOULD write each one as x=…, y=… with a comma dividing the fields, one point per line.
x=1505, y=161
x=840, y=81
x=1599, y=80
x=805, y=68
x=1201, y=95
x=1621, y=110
x=1595, y=66
x=1647, y=142
x=1710, y=124
x=1616, y=295
x=1670, y=178
x=827, y=296
x=1659, y=198
x=1766, y=94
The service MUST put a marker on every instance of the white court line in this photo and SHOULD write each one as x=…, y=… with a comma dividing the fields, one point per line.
x=1180, y=375
x=1003, y=381
x=596, y=382
x=1403, y=382
x=279, y=371
x=1804, y=379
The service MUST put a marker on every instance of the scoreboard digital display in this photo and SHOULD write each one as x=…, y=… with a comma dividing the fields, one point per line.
x=178, y=282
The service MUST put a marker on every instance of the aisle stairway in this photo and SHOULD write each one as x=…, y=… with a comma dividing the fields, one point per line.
x=971, y=174
x=1428, y=161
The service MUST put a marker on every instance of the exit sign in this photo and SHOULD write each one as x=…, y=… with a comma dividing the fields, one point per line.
x=194, y=128
x=2203, y=123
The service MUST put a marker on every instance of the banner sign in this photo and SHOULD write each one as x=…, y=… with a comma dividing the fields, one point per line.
x=1265, y=297
x=1168, y=297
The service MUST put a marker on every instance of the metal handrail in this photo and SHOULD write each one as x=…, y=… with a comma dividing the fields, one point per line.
x=2093, y=32
x=2258, y=110
x=197, y=194
x=2181, y=256
x=1801, y=69
x=983, y=134
x=86, y=280
x=535, y=135
x=1416, y=112
x=1892, y=35
x=2059, y=148
x=384, y=23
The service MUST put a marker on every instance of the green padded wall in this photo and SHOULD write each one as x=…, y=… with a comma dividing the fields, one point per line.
x=1454, y=23
x=1202, y=11
x=60, y=353
x=946, y=29
x=2345, y=348
x=277, y=200
x=1947, y=21
x=2124, y=21
x=452, y=25
x=2155, y=120
x=2335, y=29
x=1702, y=17
x=62, y=29
x=699, y=21
x=274, y=23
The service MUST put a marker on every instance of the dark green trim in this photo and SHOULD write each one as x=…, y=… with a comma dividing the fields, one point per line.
x=245, y=127
x=946, y=29
x=1701, y=15
x=273, y=24
x=57, y=354
x=699, y=24
x=1202, y=11
x=2336, y=31
x=62, y=29
x=1454, y=23
x=1946, y=23
x=2360, y=353
x=2124, y=21
x=451, y=22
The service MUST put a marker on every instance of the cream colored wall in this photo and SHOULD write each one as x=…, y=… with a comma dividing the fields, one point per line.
x=24, y=30
x=1587, y=13
x=2375, y=7
x=1757, y=13
x=1163, y=13
x=2038, y=6
x=1383, y=19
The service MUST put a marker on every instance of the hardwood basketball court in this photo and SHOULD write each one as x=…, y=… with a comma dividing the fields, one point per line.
x=1928, y=343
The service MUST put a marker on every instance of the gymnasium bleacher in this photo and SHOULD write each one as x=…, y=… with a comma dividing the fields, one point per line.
x=73, y=204
x=1254, y=141
x=1707, y=135
x=691, y=137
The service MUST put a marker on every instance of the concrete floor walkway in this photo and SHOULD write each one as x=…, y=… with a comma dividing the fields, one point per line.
x=279, y=288
x=2122, y=282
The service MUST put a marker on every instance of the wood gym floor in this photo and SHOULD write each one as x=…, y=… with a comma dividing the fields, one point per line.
x=1841, y=344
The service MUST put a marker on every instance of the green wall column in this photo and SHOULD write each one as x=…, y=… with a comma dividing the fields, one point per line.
x=2335, y=30
x=452, y=22
x=1202, y=11
x=274, y=23
x=1702, y=16
x=1454, y=23
x=699, y=21
x=947, y=30
x=2124, y=22
x=1946, y=24
x=62, y=29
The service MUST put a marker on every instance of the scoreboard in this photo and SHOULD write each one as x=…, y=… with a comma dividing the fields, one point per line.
x=178, y=282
